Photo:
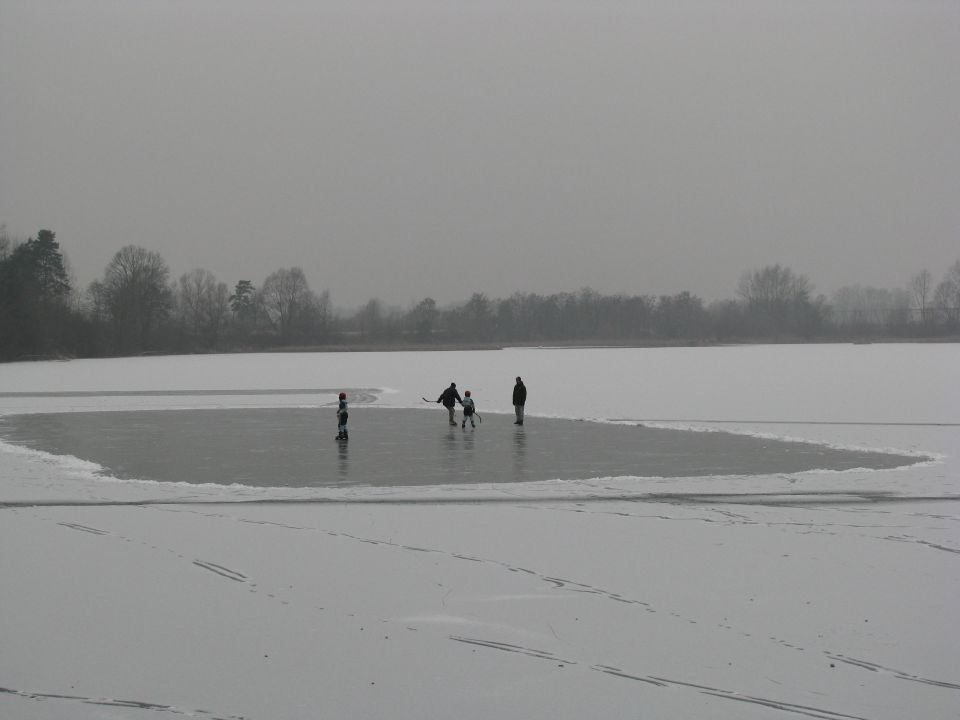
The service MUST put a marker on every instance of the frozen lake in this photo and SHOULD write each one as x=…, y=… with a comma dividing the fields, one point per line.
x=294, y=447
x=803, y=561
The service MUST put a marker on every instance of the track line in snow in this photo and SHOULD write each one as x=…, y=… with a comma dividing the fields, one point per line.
x=84, y=528
x=221, y=570
x=508, y=647
x=661, y=682
x=874, y=667
x=116, y=703
x=917, y=541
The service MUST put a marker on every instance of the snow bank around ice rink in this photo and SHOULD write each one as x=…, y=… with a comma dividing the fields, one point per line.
x=819, y=594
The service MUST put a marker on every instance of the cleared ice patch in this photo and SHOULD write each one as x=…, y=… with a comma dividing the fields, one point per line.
x=295, y=448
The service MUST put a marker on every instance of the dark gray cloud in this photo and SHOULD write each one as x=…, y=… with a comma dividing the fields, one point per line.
x=405, y=149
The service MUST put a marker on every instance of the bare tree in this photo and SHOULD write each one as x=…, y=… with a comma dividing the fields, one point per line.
x=370, y=319
x=919, y=287
x=135, y=294
x=286, y=296
x=478, y=317
x=318, y=317
x=218, y=313
x=777, y=299
x=946, y=298
x=423, y=318
x=194, y=298
x=865, y=306
x=773, y=286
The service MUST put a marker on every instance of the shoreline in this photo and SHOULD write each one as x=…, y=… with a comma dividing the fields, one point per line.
x=532, y=345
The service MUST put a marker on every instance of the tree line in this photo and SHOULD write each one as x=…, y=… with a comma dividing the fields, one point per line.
x=136, y=307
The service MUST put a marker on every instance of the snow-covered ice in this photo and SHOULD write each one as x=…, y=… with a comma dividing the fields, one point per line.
x=817, y=594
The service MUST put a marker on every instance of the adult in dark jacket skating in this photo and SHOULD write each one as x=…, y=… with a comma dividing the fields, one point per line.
x=450, y=397
x=519, y=400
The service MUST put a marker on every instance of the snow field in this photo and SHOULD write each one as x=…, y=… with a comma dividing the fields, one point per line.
x=544, y=600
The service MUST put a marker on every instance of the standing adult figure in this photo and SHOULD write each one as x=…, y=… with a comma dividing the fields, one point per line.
x=450, y=397
x=519, y=400
x=342, y=415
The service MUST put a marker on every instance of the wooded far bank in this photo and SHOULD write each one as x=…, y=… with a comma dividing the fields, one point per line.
x=137, y=308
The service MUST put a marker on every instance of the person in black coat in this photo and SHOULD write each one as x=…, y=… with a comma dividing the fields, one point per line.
x=519, y=400
x=342, y=415
x=450, y=397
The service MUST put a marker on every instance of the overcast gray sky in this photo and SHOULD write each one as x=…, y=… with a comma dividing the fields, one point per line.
x=412, y=148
